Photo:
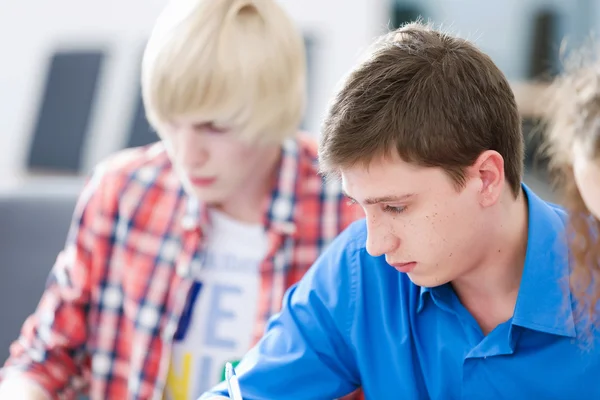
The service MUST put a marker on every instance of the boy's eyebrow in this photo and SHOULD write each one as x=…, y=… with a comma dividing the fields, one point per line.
x=382, y=199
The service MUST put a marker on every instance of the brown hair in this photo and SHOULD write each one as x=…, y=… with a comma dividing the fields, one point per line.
x=436, y=99
x=572, y=116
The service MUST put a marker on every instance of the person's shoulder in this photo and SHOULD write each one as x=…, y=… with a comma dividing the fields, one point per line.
x=146, y=166
x=558, y=214
x=558, y=210
x=351, y=242
x=339, y=266
x=124, y=178
x=544, y=209
x=355, y=235
x=312, y=181
x=307, y=145
x=347, y=265
x=135, y=161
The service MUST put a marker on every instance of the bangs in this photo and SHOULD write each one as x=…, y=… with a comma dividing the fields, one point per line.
x=238, y=71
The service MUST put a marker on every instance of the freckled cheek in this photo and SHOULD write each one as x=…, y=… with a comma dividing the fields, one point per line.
x=440, y=229
x=392, y=226
x=372, y=217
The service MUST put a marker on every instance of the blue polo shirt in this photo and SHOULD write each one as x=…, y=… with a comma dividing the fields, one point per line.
x=355, y=321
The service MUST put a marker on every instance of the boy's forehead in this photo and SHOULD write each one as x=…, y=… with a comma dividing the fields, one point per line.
x=381, y=168
x=393, y=179
x=384, y=181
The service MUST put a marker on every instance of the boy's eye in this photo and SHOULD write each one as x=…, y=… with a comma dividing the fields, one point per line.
x=394, y=209
x=210, y=127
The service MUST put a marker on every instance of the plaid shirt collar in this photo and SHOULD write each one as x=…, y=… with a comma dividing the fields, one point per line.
x=281, y=208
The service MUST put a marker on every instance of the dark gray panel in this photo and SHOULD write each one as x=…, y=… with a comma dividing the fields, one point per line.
x=545, y=43
x=312, y=66
x=32, y=232
x=403, y=13
x=65, y=110
x=140, y=132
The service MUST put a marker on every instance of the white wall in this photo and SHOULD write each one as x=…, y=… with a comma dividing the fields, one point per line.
x=30, y=30
x=502, y=28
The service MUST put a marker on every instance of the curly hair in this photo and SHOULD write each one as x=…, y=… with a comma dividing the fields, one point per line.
x=572, y=116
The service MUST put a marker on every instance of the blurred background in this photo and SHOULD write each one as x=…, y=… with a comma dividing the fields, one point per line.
x=69, y=96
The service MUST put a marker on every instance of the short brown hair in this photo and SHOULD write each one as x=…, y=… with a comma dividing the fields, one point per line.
x=436, y=99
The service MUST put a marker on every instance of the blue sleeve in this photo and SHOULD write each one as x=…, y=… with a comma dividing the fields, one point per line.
x=306, y=351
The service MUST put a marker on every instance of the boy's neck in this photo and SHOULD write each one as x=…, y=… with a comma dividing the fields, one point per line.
x=489, y=291
x=250, y=201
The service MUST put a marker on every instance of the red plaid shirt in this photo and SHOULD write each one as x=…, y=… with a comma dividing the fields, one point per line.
x=106, y=321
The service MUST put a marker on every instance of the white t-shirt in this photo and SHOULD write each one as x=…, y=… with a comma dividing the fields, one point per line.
x=217, y=326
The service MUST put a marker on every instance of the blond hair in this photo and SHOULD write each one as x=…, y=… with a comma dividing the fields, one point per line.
x=572, y=118
x=234, y=62
x=572, y=107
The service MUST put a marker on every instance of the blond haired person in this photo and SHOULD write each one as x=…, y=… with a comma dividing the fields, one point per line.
x=572, y=111
x=179, y=252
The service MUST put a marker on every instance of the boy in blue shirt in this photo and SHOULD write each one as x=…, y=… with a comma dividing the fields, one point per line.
x=456, y=285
